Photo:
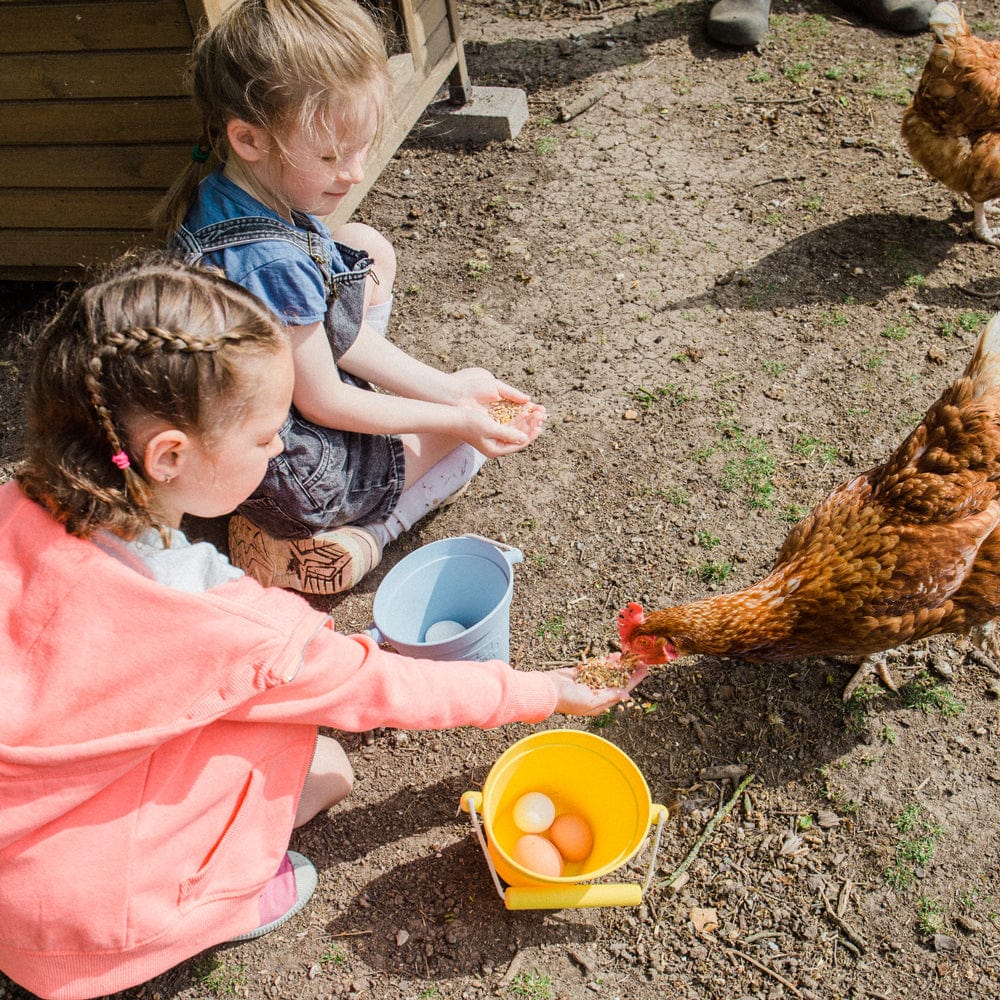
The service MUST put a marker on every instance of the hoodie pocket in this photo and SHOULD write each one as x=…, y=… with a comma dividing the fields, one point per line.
x=240, y=860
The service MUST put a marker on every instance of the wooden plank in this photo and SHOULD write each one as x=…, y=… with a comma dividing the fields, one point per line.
x=63, y=249
x=429, y=14
x=460, y=84
x=169, y=119
x=45, y=208
x=206, y=12
x=69, y=27
x=93, y=74
x=414, y=31
x=439, y=44
x=143, y=166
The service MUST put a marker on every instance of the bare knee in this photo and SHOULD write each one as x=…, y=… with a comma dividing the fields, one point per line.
x=364, y=237
x=329, y=781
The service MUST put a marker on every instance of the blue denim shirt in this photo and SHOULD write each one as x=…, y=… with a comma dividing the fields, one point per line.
x=277, y=272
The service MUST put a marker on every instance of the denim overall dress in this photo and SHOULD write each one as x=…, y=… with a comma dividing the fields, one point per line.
x=325, y=477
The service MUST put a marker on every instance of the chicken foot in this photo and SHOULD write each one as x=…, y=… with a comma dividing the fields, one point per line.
x=875, y=665
x=980, y=223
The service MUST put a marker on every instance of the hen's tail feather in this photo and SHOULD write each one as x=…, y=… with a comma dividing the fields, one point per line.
x=984, y=366
x=947, y=23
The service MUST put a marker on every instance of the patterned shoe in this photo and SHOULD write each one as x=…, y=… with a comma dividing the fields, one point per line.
x=328, y=563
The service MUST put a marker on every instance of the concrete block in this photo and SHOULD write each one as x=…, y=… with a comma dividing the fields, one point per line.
x=491, y=113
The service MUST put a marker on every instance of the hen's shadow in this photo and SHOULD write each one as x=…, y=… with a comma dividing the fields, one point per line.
x=861, y=258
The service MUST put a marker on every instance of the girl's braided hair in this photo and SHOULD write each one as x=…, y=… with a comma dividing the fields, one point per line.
x=280, y=65
x=156, y=339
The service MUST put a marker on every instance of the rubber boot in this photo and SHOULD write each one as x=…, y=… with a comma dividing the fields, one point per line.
x=742, y=23
x=898, y=15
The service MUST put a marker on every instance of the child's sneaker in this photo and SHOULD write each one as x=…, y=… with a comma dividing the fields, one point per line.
x=327, y=563
x=287, y=892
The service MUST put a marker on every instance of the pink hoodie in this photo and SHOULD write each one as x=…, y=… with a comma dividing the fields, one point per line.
x=153, y=746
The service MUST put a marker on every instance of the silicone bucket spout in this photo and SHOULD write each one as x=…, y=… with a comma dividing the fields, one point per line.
x=465, y=584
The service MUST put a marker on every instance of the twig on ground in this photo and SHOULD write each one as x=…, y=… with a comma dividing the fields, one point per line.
x=583, y=102
x=763, y=968
x=855, y=939
x=784, y=179
x=705, y=834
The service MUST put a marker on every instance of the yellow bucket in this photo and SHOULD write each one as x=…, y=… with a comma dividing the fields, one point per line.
x=583, y=774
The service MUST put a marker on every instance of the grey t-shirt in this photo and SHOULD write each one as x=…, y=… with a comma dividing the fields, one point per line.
x=186, y=566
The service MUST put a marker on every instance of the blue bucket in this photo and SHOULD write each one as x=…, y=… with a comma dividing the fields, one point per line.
x=458, y=588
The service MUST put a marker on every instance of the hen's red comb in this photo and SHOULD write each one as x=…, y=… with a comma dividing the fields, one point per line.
x=630, y=616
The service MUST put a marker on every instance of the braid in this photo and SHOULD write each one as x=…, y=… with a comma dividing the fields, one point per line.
x=154, y=339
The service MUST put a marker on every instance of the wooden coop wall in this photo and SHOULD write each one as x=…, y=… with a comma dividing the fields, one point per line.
x=95, y=122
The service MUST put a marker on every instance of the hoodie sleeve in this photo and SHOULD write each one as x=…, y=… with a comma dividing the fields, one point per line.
x=347, y=682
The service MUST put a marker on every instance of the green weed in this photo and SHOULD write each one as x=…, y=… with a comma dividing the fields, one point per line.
x=547, y=145
x=532, y=986
x=797, y=71
x=855, y=711
x=895, y=331
x=930, y=919
x=478, y=266
x=794, y=513
x=915, y=848
x=220, y=979
x=751, y=469
x=707, y=540
x=809, y=446
x=834, y=317
x=923, y=693
x=676, y=495
x=713, y=571
x=672, y=394
x=552, y=627
x=773, y=368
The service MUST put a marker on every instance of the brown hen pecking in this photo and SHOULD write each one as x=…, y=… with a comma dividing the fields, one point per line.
x=908, y=549
x=952, y=125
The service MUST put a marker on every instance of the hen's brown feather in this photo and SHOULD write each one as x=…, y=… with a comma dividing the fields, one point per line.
x=908, y=549
x=952, y=125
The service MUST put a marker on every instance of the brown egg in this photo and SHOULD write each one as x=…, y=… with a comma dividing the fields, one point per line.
x=538, y=855
x=572, y=836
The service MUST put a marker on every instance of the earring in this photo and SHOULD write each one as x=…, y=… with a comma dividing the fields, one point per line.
x=167, y=479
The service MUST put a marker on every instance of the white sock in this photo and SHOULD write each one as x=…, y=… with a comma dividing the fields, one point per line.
x=378, y=315
x=429, y=491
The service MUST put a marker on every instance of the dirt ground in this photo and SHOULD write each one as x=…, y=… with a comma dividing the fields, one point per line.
x=732, y=290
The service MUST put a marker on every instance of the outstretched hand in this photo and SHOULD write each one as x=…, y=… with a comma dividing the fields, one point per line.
x=579, y=699
x=478, y=390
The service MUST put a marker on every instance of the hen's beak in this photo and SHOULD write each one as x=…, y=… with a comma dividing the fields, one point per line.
x=652, y=649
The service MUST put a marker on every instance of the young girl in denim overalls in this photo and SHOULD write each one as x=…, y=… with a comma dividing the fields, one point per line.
x=292, y=95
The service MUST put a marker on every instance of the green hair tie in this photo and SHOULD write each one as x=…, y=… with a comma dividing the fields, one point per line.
x=199, y=155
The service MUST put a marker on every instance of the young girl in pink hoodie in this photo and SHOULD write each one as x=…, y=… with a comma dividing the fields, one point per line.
x=158, y=730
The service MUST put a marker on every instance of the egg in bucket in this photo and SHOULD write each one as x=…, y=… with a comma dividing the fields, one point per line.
x=584, y=775
x=449, y=600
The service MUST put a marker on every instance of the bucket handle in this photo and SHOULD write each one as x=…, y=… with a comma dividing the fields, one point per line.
x=559, y=897
x=510, y=552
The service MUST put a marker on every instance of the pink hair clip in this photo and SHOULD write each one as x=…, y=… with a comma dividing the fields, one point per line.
x=121, y=460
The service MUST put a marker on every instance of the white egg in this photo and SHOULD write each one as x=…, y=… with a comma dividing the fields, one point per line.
x=534, y=812
x=442, y=630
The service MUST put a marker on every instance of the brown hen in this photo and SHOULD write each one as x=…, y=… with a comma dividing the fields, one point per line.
x=952, y=125
x=908, y=549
